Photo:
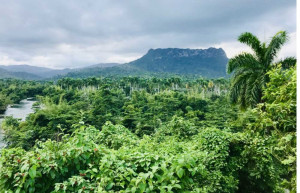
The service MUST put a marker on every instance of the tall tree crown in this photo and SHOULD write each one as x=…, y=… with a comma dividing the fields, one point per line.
x=250, y=69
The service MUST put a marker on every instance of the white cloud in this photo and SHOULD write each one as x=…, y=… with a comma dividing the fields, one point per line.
x=5, y=60
x=290, y=48
x=234, y=48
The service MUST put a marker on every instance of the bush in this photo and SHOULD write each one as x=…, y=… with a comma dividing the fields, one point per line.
x=178, y=127
x=115, y=136
x=81, y=163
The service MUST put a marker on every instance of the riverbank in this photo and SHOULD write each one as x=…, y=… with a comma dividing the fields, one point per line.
x=19, y=111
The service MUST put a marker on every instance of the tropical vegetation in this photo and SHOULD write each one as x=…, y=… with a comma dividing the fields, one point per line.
x=250, y=70
x=152, y=134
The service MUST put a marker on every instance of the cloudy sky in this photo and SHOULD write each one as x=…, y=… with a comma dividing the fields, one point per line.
x=59, y=34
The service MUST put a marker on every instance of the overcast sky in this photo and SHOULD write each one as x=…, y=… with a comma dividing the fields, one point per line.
x=59, y=34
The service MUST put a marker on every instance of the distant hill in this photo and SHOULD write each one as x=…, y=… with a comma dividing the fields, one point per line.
x=101, y=65
x=41, y=72
x=36, y=73
x=18, y=75
x=209, y=62
x=5, y=74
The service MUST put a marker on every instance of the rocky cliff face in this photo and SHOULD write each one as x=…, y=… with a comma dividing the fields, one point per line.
x=209, y=62
x=176, y=52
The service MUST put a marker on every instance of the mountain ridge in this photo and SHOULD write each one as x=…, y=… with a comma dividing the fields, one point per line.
x=183, y=61
x=210, y=62
x=4, y=74
x=42, y=72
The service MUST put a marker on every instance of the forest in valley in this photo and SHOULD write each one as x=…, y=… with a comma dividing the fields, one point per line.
x=157, y=134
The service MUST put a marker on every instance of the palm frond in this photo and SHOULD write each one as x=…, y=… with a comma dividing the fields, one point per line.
x=250, y=71
x=235, y=92
x=242, y=97
x=275, y=45
x=287, y=62
x=255, y=84
x=244, y=60
x=239, y=86
x=241, y=72
x=252, y=41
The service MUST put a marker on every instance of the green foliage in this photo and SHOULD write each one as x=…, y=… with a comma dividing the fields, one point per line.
x=151, y=135
x=48, y=163
x=280, y=97
x=250, y=70
x=145, y=112
x=80, y=163
x=261, y=171
x=4, y=101
x=146, y=106
x=220, y=114
x=178, y=127
x=116, y=136
x=276, y=118
x=47, y=123
x=13, y=91
x=106, y=106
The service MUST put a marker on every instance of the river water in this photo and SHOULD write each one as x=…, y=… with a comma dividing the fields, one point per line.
x=20, y=111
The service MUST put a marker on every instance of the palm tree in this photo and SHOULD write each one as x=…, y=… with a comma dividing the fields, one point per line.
x=250, y=70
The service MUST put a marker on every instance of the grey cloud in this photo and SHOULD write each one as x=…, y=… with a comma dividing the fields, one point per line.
x=99, y=31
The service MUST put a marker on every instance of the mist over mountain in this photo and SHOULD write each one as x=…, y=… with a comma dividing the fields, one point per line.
x=209, y=62
x=40, y=72
x=18, y=75
x=101, y=65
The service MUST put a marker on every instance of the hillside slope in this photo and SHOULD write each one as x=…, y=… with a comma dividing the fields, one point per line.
x=35, y=70
x=209, y=62
x=18, y=75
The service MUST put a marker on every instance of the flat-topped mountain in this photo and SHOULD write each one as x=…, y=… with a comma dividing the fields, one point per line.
x=209, y=62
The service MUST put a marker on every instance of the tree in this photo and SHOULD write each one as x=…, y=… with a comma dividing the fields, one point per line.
x=250, y=70
x=270, y=148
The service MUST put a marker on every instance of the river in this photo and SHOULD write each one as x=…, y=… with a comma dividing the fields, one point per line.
x=20, y=111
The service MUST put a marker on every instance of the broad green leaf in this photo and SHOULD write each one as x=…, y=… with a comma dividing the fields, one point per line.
x=180, y=172
x=109, y=186
x=32, y=171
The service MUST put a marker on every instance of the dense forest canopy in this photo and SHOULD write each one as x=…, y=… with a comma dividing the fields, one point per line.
x=153, y=134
